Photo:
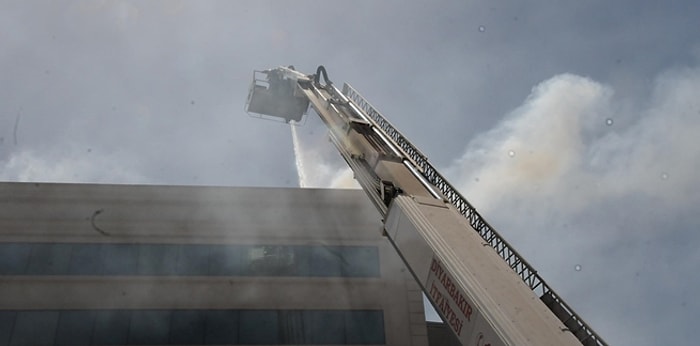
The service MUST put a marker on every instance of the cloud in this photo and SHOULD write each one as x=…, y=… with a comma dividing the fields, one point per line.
x=574, y=178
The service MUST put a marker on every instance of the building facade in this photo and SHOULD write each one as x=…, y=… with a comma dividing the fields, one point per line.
x=84, y=264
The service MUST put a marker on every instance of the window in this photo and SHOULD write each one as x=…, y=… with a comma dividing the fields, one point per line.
x=187, y=327
x=157, y=259
x=74, y=327
x=49, y=259
x=191, y=327
x=7, y=322
x=149, y=327
x=228, y=260
x=258, y=327
x=364, y=327
x=324, y=327
x=187, y=260
x=85, y=260
x=325, y=261
x=221, y=327
x=271, y=260
x=119, y=259
x=359, y=261
x=14, y=258
x=193, y=260
x=111, y=327
x=34, y=328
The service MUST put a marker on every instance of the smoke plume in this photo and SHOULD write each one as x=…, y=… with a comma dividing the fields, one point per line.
x=599, y=194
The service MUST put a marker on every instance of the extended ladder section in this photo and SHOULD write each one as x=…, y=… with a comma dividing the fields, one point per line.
x=481, y=287
x=518, y=264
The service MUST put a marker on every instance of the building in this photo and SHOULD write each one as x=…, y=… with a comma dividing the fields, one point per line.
x=150, y=265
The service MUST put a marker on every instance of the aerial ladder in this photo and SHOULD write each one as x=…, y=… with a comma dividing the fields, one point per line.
x=479, y=285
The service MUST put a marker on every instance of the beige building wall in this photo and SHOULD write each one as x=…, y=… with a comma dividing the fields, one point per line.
x=250, y=217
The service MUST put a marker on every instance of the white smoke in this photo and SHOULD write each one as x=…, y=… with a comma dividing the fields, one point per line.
x=344, y=179
x=537, y=145
x=564, y=142
x=600, y=196
x=84, y=167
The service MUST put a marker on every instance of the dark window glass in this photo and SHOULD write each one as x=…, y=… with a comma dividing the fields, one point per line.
x=74, y=327
x=111, y=327
x=221, y=327
x=49, y=259
x=34, y=328
x=360, y=261
x=192, y=327
x=157, y=259
x=325, y=261
x=291, y=324
x=364, y=327
x=7, y=322
x=258, y=327
x=228, y=260
x=149, y=327
x=324, y=327
x=187, y=327
x=85, y=260
x=193, y=260
x=119, y=259
x=302, y=257
x=188, y=260
x=14, y=258
x=270, y=260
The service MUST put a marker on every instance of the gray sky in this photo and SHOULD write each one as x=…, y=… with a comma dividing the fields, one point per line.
x=570, y=124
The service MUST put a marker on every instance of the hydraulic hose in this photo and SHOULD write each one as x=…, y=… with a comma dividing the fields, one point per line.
x=321, y=70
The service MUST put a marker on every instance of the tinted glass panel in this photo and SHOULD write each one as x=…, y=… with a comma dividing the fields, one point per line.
x=270, y=260
x=149, y=327
x=302, y=258
x=193, y=260
x=258, y=327
x=49, y=259
x=75, y=327
x=34, y=328
x=85, y=260
x=119, y=259
x=7, y=322
x=187, y=327
x=157, y=259
x=325, y=261
x=364, y=327
x=191, y=327
x=14, y=258
x=111, y=327
x=292, y=326
x=324, y=327
x=228, y=260
x=360, y=261
x=221, y=327
x=190, y=260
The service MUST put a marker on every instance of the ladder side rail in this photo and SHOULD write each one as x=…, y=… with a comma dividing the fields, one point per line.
x=526, y=272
